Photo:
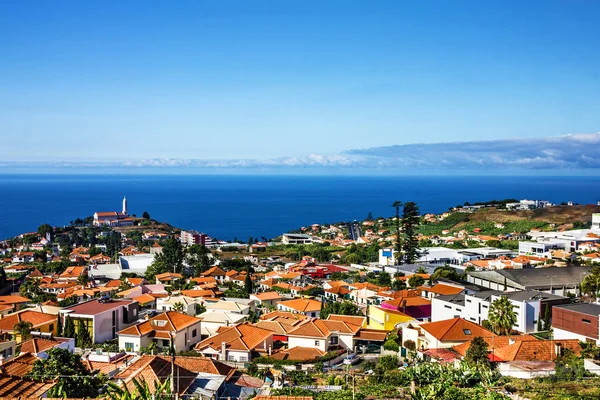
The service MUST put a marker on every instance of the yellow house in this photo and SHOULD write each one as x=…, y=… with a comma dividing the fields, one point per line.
x=386, y=320
x=40, y=322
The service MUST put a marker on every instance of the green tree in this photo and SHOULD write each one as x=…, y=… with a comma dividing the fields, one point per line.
x=59, y=326
x=178, y=307
x=445, y=272
x=3, y=280
x=145, y=215
x=477, y=353
x=23, y=329
x=69, y=329
x=171, y=257
x=501, y=316
x=83, y=339
x=398, y=246
x=388, y=363
x=339, y=308
x=547, y=316
x=200, y=309
x=415, y=280
x=74, y=379
x=198, y=257
x=384, y=279
x=44, y=229
x=410, y=223
x=248, y=285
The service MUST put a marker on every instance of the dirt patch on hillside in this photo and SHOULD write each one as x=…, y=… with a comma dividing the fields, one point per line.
x=554, y=215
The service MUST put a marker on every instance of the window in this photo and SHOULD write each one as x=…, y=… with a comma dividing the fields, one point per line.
x=333, y=340
x=468, y=301
x=230, y=358
x=128, y=346
x=586, y=321
x=484, y=306
x=467, y=331
x=448, y=307
x=165, y=343
x=194, y=333
x=51, y=327
x=114, y=317
x=317, y=343
x=114, y=332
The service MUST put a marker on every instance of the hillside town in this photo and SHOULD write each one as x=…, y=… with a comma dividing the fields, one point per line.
x=486, y=301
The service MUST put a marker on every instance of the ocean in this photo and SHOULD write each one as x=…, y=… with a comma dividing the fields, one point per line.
x=230, y=206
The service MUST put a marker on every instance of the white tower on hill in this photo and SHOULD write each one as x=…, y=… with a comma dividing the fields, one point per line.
x=124, y=205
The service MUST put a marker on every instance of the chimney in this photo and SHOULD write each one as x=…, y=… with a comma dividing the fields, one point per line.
x=223, y=351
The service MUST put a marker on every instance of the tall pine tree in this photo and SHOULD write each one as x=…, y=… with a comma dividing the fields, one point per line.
x=410, y=223
x=69, y=329
x=84, y=339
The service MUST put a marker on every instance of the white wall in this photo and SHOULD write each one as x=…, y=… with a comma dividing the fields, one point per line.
x=560, y=334
x=308, y=342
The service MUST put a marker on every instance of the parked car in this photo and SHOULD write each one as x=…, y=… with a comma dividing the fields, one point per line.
x=351, y=359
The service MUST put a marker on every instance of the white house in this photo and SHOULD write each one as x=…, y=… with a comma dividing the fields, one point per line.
x=169, y=303
x=528, y=306
x=103, y=318
x=322, y=334
x=170, y=328
x=238, y=343
x=212, y=321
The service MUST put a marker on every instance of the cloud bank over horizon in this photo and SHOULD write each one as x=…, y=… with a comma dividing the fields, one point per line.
x=570, y=152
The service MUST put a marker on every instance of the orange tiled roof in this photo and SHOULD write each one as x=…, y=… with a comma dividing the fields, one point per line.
x=282, y=314
x=410, y=302
x=168, y=276
x=455, y=330
x=72, y=272
x=205, y=279
x=161, y=325
x=214, y=271
x=281, y=327
x=37, y=319
x=302, y=305
x=13, y=299
x=39, y=344
x=154, y=369
x=351, y=319
x=268, y=296
x=538, y=350
x=320, y=328
x=299, y=354
x=19, y=366
x=243, y=337
x=442, y=289
x=144, y=299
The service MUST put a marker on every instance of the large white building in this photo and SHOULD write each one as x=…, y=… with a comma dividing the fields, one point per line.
x=529, y=306
x=168, y=329
x=114, y=218
x=296, y=238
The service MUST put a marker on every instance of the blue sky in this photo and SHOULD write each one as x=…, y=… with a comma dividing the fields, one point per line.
x=120, y=80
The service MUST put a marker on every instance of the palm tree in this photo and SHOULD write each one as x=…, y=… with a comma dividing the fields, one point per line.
x=178, y=306
x=142, y=391
x=22, y=329
x=501, y=316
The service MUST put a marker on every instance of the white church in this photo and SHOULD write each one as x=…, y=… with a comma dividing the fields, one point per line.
x=114, y=218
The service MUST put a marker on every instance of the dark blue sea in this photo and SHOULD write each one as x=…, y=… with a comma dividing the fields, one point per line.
x=242, y=206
